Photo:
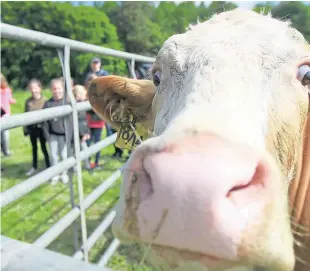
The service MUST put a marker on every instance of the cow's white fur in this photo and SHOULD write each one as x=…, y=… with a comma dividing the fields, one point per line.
x=213, y=71
x=227, y=76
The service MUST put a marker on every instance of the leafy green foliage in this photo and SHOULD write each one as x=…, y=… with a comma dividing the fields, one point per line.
x=22, y=61
x=29, y=217
x=137, y=27
x=298, y=13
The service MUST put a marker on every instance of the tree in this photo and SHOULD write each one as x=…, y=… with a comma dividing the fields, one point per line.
x=135, y=26
x=166, y=18
x=22, y=61
x=263, y=7
x=298, y=13
x=214, y=8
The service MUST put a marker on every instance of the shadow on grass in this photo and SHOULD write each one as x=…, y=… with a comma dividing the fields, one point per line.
x=13, y=174
x=38, y=230
x=64, y=243
x=13, y=171
x=33, y=211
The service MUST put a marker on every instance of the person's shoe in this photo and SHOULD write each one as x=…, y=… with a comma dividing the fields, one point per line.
x=93, y=165
x=7, y=154
x=117, y=155
x=55, y=180
x=65, y=178
x=31, y=171
x=88, y=167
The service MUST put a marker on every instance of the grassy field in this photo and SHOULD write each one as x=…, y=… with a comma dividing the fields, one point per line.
x=28, y=218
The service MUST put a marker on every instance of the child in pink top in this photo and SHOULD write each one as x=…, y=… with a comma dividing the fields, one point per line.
x=6, y=101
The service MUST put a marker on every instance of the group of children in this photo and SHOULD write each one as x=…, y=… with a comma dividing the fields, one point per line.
x=57, y=132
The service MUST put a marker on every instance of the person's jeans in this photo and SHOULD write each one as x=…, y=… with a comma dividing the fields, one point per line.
x=35, y=134
x=109, y=129
x=83, y=147
x=58, y=146
x=95, y=137
x=118, y=151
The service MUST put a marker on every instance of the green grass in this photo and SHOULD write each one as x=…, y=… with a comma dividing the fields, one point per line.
x=29, y=217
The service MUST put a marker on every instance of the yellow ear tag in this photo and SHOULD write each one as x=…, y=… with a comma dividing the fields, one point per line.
x=131, y=132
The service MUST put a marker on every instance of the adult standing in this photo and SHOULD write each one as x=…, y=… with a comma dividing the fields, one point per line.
x=96, y=68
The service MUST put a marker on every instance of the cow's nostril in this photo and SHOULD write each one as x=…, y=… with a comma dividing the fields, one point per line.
x=206, y=184
x=137, y=178
x=146, y=187
x=238, y=187
x=254, y=185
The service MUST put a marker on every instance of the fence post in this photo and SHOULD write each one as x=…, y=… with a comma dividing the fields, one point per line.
x=75, y=227
x=65, y=46
x=76, y=149
x=132, y=68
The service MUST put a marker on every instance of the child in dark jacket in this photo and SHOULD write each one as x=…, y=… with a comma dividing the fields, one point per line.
x=80, y=94
x=55, y=129
x=95, y=123
x=35, y=131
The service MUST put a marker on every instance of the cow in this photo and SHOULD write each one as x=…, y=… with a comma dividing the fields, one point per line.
x=222, y=182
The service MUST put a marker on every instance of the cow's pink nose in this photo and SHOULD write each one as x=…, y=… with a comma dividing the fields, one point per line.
x=203, y=193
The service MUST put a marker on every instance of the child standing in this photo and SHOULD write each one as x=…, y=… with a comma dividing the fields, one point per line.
x=35, y=131
x=80, y=94
x=6, y=101
x=95, y=123
x=55, y=130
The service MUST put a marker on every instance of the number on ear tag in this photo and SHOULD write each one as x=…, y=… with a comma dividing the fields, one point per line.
x=131, y=132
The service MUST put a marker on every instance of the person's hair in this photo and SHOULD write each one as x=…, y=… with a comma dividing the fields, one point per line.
x=63, y=80
x=4, y=82
x=89, y=78
x=78, y=89
x=56, y=81
x=36, y=82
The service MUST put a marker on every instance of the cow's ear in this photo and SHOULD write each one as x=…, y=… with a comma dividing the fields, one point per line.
x=112, y=97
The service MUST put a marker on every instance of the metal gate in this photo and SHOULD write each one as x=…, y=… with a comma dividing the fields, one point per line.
x=64, y=46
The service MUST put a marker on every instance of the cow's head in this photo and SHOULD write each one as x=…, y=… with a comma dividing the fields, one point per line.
x=227, y=106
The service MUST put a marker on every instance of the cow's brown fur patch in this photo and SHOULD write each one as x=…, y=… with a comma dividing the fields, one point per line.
x=132, y=200
x=299, y=195
x=106, y=93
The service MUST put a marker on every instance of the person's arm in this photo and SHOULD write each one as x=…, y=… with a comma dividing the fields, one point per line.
x=83, y=127
x=45, y=124
x=25, y=128
x=11, y=98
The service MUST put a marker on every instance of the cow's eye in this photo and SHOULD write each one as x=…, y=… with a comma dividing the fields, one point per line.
x=157, y=78
x=303, y=74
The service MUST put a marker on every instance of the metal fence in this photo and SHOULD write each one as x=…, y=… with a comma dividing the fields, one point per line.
x=64, y=46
